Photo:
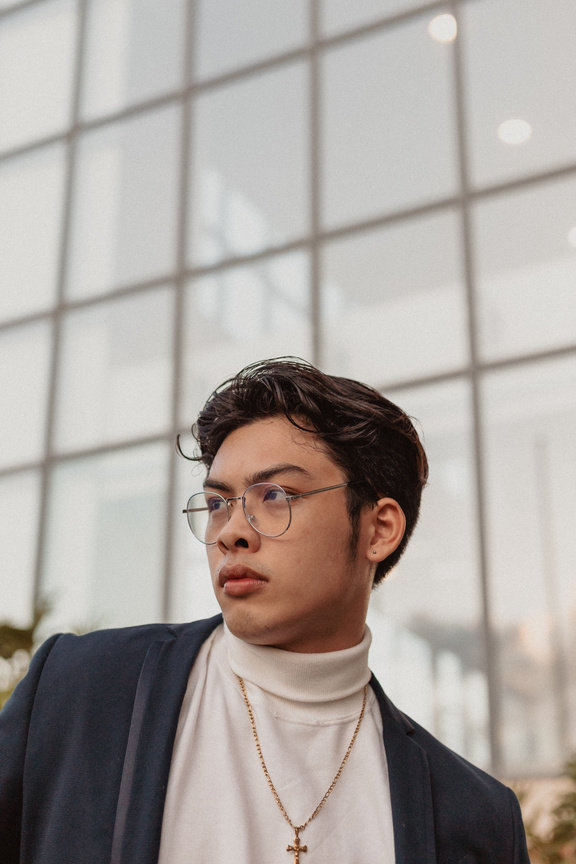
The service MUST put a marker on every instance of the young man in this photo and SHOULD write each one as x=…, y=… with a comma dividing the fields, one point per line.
x=264, y=737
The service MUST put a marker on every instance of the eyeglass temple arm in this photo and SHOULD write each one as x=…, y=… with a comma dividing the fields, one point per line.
x=288, y=497
x=315, y=491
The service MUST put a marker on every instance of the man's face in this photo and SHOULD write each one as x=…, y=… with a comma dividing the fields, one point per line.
x=305, y=590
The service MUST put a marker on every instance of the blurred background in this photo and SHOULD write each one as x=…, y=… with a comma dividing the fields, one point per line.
x=384, y=187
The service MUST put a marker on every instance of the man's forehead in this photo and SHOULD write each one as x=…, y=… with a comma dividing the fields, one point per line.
x=272, y=445
x=277, y=429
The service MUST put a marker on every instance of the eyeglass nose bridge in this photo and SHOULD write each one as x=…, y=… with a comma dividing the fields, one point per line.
x=229, y=510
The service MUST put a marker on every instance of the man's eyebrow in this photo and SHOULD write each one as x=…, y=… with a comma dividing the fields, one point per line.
x=261, y=476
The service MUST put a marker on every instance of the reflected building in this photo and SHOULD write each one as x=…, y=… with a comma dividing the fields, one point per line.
x=385, y=188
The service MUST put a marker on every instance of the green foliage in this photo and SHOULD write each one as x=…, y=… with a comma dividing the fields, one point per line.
x=16, y=645
x=556, y=845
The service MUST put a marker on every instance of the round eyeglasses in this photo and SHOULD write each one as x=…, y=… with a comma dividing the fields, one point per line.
x=266, y=507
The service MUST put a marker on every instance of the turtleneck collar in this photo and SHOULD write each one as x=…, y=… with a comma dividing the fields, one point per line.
x=304, y=678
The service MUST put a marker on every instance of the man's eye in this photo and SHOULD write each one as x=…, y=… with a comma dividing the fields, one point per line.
x=274, y=494
x=214, y=505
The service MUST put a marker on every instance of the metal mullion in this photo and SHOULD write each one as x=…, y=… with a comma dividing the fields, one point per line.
x=107, y=447
x=481, y=368
x=490, y=649
x=382, y=23
x=58, y=311
x=315, y=186
x=459, y=373
x=541, y=177
x=525, y=359
x=31, y=146
x=196, y=271
x=179, y=304
x=32, y=318
x=20, y=468
x=121, y=293
x=129, y=111
x=242, y=72
x=13, y=10
x=393, y=218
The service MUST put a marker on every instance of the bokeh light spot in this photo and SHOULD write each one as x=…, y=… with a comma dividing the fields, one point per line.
x=514, y=131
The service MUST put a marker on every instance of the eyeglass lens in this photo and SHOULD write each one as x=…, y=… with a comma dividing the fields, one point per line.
x=265, y=505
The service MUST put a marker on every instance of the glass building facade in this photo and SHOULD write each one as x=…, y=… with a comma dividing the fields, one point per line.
x=384, y=187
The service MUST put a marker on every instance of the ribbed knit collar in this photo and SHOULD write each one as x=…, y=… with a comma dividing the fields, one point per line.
x=303, y=678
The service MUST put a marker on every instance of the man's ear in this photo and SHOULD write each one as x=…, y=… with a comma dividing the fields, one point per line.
x=388, y=524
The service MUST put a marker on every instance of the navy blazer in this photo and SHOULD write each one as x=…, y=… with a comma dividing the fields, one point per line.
x=86, y=743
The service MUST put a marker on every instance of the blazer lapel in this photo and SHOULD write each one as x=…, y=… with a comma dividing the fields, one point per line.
x=161, y=688
x=410, y=786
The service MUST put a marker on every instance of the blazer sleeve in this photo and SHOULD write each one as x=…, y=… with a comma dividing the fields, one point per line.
x=520, y=848
x=14, y=726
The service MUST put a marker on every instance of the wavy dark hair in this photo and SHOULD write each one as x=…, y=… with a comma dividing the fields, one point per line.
x=371, y=439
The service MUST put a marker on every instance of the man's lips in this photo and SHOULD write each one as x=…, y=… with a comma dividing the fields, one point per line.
x=238, y=580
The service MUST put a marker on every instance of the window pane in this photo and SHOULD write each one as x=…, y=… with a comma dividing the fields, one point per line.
x=134, y=51
x=527, y=269
x=425, y=618
x=520, y=65
x=394, y=303
x=242, y=315
x=104, y=556
x=338, y=15
x=233, y=33
x=31, y=193
x=36, y=71
x=192, y=596
x=531, y=509
x=250, y=180
x=125, y=204
x=19, y=506
x=24, y=369
x=388, y=126
x=115, y=371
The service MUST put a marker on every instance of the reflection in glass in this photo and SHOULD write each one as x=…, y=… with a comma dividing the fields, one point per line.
x=31, y=197
x=250, y=174
x=24, y=366
x=125, y=204
x=388, y=129
x=526, y=269
x=531, y=507
x=387, y=296
x=232, y=34
x=519, y=63
x=35, y=79
x=425, y=618
x=241, y=315
x=134, y=52
x=104, y=558
x=338, y=15
x=19, y=506
x=115, y=371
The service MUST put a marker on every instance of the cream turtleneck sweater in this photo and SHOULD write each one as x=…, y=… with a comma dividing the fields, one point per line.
x=219, y=809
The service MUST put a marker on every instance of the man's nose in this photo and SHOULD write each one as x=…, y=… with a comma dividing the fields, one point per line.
x=237, y=532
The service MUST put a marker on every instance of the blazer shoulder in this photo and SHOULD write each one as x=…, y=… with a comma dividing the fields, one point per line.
x=472, y=810
x=445, y=764
x=122, y=649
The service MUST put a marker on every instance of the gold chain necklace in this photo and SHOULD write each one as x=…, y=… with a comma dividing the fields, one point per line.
x=296, y=847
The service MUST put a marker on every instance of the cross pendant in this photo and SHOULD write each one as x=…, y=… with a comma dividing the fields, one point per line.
x=296, y=848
